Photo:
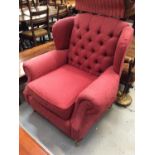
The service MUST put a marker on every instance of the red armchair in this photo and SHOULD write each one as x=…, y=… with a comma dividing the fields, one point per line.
x=75, y=84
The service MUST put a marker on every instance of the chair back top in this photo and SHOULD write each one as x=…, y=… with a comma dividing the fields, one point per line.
x=27, y=3
x=39, y=17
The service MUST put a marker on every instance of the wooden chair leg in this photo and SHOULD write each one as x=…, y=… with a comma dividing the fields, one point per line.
x=34, y=42
x=49, y=35
x=31, y=44
x=43, y=39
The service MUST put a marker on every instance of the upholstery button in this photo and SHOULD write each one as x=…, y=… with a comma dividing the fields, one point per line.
x=79, y=63
x=87, y=29
x=100, y=70
x=79, y=36
x=92, y=50
x=104, y=54
x=89, y=39
x=88, y=67
x=73, y=43
x=111, y=34
x=76, y=54
x=96, y=61
x=101, y=42
x=85, y=57
x=71, y=59
x=98, y=31
x=82, y=47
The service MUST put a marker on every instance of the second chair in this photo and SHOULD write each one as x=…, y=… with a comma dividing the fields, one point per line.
x=39, y=26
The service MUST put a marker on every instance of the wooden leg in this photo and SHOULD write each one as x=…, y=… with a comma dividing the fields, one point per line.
x=43, y=39
x=34, y=42
x=49, y=35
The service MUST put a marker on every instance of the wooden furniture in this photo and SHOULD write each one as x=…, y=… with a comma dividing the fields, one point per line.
x=129, y=8
x=23, y=4
x=36, y=31
x=28, y=146
x=25, y=15
x=62, y=11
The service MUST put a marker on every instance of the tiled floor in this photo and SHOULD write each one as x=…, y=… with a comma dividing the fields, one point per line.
x=112, y=135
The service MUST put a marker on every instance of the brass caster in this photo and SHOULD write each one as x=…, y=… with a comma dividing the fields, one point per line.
x=123, y=100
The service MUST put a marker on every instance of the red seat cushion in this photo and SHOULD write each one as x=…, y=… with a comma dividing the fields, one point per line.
x=58, y=89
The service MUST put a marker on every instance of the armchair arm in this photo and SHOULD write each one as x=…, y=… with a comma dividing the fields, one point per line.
x=43, y=64
x=122, y=45
x=93, y=101
x=103, y=90
x=62, y=30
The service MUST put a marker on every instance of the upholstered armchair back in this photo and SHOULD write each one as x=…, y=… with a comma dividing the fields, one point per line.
x=93, y=42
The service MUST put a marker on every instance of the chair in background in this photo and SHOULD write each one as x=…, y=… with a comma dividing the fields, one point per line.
x=74, y=85
x=23, y=26
x=130, y=11
x=39, y=23
x=42, y=2
x=27, y=3
x=55, y=2
x=62, y=11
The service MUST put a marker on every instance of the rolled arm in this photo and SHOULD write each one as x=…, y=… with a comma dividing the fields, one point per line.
x=43, y=64
x=103, y=90
x=93, y=101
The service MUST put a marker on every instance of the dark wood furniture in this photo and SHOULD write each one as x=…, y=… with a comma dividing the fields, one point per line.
x=39, y=23
x=62, y=11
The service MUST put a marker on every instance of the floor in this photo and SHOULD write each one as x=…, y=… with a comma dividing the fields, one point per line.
x=112, y=135
x=28, y=146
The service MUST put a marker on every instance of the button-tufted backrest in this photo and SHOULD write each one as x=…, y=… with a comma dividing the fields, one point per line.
x=93, y=42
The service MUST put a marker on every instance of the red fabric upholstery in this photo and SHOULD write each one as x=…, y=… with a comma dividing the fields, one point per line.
x=62, y=32
x=62, y=87
x=122, y=45
x=43, y=64
x=93, y=101
x=93, y=42
x=64, y=125
x=58, y=90
x=113, y=8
